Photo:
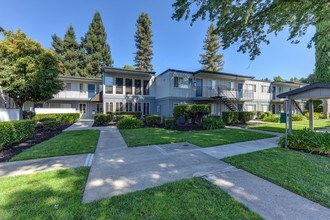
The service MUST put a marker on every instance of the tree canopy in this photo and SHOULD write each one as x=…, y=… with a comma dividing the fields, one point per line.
x=278, y=79
x=143, y=43
x=211, y=59
x=28, y=72
x=249, y=22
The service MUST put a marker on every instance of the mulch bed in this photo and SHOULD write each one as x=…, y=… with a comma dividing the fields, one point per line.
x=39, y=136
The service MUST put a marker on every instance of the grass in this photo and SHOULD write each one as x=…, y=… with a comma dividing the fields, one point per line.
x=58, y=194
x=66, y=143
x=297, y=125
x=302, y=173
x=207, y=138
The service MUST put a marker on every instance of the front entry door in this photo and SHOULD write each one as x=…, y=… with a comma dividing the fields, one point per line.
x=199, y=87
x=83, y=110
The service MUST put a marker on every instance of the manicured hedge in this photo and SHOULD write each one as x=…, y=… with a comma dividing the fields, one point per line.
x=298, y=117
x=28, y=114
x=15, y=132
x=193, y=111
x=245, y=116
x=308, y=140
x=210, y=123
x=134, y=114
x=120, y=117
x=51, y=125
x=229, y=117
x=102, y=119
x=64, y=118
x=170, y=123
x=272, y=118
x=129, y=123
x=153, y=120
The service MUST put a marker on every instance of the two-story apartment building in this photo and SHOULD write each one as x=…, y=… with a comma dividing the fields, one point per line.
x=124, y=90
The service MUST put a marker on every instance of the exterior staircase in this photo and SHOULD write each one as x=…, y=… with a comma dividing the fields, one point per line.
x=230, y=103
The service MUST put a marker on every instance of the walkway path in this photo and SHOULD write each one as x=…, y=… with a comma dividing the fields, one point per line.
x=44, y=164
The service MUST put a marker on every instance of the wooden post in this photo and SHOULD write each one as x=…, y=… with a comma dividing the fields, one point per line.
x=290, y=114
x=311, y=115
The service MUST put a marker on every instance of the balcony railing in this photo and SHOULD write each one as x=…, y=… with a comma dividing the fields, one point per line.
x=71, y=94
x=223, y=91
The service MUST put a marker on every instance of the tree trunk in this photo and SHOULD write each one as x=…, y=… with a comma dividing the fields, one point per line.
x=326, y=108
x=19, y=103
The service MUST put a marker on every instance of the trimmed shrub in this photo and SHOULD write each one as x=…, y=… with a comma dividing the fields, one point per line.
x=229, y=117
x=209, y=123
x=137, y=115
x=308, y=140
x=265, y=115
x=51, y=125
x=193, y=111
x=245, y=116
x=120, y=117
x=180, y=111
x=12, y=132
x=129, y=123
x=317, y=115
x=298, y=117
x=272, y=118
x=102, y=119
x=64, y=118
x=153, y=120
x=28, y=114
x=170, y=123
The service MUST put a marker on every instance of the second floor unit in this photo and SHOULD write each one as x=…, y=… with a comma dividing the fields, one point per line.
x=282, y=87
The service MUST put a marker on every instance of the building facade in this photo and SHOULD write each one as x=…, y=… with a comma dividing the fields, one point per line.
x=123, y=90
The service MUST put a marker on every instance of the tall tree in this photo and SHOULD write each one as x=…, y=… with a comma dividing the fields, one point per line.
x=143, y=43
x=96, y=47
x=278, y=79
x=311, y=78
x=248, y=22
x=212, y=60
x=294, y=79
x=28, y=72
x=70, y=53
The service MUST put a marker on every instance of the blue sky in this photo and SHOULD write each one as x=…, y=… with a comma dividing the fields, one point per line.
x=176, y=44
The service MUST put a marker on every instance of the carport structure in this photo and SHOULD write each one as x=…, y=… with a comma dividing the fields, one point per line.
x=315, y=91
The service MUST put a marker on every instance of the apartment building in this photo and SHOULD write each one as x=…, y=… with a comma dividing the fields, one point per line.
x=124, y=90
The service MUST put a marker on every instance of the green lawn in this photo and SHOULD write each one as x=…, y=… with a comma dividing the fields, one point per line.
x=58, y=194
x=305, y=174
x=297, y=125
x=207, y=138
x=66, y=143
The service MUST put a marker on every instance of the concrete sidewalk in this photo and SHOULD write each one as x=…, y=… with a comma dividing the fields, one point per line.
x=44, y=164
x=265, y=198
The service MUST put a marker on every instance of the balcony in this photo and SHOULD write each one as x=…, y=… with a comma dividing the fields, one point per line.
x=223, y=91
x=71, y=95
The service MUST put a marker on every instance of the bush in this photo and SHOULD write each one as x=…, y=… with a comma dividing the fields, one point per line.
x=257, y=114
x=64, y=118
x=229, y=117
x=317, y=115
x=212, y=123
x=308, y=140
x=272, y=118
x=180, y=111
x=51, y=125
x=12, y=132
x=119, y=117
x=298, y=117
x=134, y=114
x=153, y=120
x=265, y=115
x=170, y=123
x=102, y=119
x=129, y=123
x=245, y=116
x=28, y=114
x=193, y=111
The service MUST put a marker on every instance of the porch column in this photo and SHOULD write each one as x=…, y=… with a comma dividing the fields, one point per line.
x=290, y=114
x=311, y=115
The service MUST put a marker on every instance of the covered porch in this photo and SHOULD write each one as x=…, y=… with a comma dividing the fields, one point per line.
x=315, y=91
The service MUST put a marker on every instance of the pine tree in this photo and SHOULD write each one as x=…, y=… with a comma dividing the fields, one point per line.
x=97, y=51
x=211, y=60
x=143, y=43
x=58, y=46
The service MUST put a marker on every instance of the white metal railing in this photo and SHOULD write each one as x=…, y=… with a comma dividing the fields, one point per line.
x=71, y=94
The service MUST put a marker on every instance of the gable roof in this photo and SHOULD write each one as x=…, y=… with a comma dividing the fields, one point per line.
x=304, y=89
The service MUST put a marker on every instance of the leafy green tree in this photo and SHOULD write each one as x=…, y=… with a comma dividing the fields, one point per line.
x=278, y=79
x=128, y=67
x=212, y=60
x=249, y=22
x=266, y=79
x=97, y=50
x=311, y=78
x=28, y=72
x=143, y=43
x=70, y=53
x=294, y=79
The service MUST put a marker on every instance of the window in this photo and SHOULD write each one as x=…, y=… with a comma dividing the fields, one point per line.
x=91, y=90
x=145, y=87
x=67, y=87
x=231, y=86
x=265, y=89
x=280, y=89
x=252, y=87
x=109, y=85
x=82, y=87
x=129, y=107
x=119, y=107
x=212, y=84
x=138, y=107
x=251, y=107
x=99, y=109
x=146, y=108
x=119, y=85
x=137, y=87
x=98, y=88
x=182, y=82
x=108, y=107
x=65, y=105
x=129, y=85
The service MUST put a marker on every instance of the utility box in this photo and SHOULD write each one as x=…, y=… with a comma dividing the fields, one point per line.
x=283, y=118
